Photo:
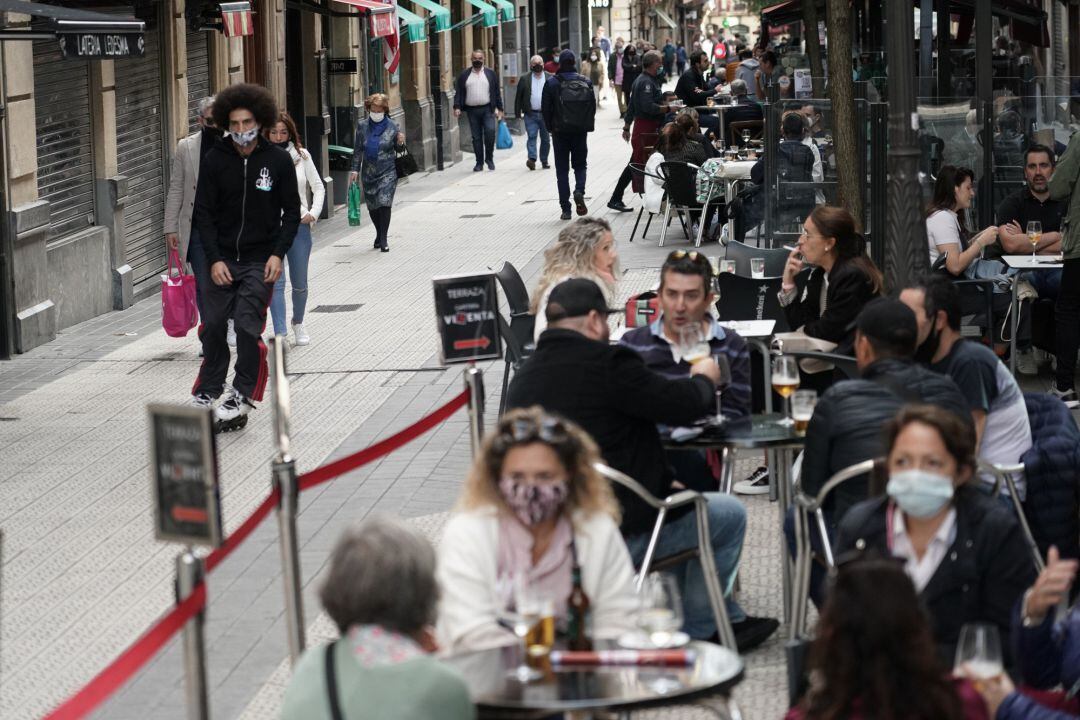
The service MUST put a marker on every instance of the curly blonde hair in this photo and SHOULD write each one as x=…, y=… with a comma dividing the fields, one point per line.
x=572, y=256
x=588, y=490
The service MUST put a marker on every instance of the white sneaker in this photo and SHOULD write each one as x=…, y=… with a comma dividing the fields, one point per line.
x=1066, y=396
x=201, y=400
x=232, y=413
x=302, y=338
x=231, y=336
x=1025, y=362
x=756, y=484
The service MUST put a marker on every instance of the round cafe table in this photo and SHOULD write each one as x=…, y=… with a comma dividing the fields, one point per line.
x=621, y=688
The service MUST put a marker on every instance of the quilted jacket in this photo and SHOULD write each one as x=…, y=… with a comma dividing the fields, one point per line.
x=1052, y=468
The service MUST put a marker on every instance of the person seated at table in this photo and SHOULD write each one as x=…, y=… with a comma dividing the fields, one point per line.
x=694, y=91
x=996, y=404
x=873, y=656
x=797, y=161
x=845, y=428
x=608, y=391
x=688, y=119
x=585, y=248
x=1048, y=652
x=675, y=146
x=962, y=548
x=815, y=121
x=825, y=304
x=742, y=109
x=381, y=593
x=533, y=506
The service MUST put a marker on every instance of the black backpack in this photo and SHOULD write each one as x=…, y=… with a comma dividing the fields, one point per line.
x=576, y=107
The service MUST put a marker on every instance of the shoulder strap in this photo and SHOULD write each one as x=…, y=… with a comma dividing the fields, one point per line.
x=331, y=683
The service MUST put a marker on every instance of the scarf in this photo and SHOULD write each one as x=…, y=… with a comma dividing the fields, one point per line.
x=375, y=131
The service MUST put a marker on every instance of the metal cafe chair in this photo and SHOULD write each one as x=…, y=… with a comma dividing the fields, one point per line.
x=682, y=197
x=703, y=551
x=1006, y=475
x=741, y=253
x=518, y=333
x=640, y=168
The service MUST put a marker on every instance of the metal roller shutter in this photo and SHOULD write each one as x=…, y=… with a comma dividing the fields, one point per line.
x=140, y=157
x=198, y=73
x=65, y=157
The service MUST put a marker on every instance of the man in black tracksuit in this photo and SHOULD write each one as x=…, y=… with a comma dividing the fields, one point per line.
x=247, y=209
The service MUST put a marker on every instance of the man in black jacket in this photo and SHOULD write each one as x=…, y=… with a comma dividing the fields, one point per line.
x=608, y=390
x=644, y=114
x=247, y=208
x=477, y=92
x=693, y=90
x=569, y=108
x=846, y=427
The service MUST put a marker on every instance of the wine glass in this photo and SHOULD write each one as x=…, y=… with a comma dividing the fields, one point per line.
x=725, y=380
x=745, y=137
x=785, y=381
x=1034, y=233
x=522, y=610
x=660, y=612
x=978, y=653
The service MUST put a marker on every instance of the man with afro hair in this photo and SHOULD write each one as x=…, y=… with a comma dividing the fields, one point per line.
x=247, y=209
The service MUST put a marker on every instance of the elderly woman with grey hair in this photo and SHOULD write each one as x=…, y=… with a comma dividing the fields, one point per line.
x=381, y=593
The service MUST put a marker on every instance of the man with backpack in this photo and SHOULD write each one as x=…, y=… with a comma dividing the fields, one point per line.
x=569, y=109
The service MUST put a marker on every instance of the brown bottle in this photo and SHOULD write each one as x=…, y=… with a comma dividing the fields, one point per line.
x=579, y=615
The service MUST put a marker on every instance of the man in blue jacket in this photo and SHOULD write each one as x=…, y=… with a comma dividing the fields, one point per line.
x=477, y=92
x=569, y=108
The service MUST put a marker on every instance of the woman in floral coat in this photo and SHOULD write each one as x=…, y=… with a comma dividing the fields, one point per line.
x=373, y=163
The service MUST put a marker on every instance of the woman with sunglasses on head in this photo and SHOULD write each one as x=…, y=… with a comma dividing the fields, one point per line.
x=874, y=656
x=961, y=547
x=312, y=193
x=532, y=507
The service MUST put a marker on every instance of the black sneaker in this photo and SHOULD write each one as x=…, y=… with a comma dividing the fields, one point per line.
x=478, y=167
x=546, y=166
x=756, y=484
x=1067, y=396
x=565, y=215
x=579, y=201
x=618, y=205
x=491, y=164
x=752, y=631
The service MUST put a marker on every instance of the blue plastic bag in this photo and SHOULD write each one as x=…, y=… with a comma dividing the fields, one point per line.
x=503, y=141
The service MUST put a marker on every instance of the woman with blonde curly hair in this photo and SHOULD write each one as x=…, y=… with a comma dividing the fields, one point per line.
x=585, y=249
x=533, y=507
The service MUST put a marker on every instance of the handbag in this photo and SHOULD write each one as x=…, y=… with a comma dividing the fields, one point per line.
x=642, y=309
x=179, y=311
x=504, y=141
x=404, y=162
x=354, y=204
x=331, y=683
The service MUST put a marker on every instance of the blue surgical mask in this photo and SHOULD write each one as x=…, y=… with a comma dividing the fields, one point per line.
x=920, y=493
x=246, y=137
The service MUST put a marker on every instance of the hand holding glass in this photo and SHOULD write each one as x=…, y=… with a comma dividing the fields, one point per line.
x=978, y=653
x=691, y=343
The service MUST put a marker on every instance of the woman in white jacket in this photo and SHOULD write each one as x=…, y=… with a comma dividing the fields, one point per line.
x=284, y=135
x=532, y=506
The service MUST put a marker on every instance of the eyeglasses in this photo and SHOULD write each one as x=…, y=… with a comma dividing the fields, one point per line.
x=694, y=256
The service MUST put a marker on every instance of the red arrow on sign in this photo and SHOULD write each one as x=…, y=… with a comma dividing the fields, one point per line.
x=481, y=343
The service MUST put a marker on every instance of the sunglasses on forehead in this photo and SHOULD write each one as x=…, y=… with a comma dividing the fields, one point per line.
x=694, y=256
x=525, y=430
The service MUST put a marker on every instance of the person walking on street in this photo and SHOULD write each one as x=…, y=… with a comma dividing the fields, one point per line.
x=1065, y=187
x=615, y=75
x=312, y=193
x=180, y=233
x=247, y=209
x=569, y=108
x=373, y=164
x=631, y=68
x=669, y=58
x=527, y=105
x=644, y=112
x=595, y=72
x=478, y=94
x=680, y=58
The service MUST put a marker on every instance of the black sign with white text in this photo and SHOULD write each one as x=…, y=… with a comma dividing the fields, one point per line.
x=342, y=66
x=467, y=309
x=183, y=456
x=81, y=45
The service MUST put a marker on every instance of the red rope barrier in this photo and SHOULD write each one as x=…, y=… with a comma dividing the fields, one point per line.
x=117, y=673
x=139, y=653
x=383, y=447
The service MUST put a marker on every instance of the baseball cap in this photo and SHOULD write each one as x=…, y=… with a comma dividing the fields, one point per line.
x=890, y=322
x=576, y=297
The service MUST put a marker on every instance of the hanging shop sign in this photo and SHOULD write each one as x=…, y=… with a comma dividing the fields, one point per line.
x=86, y=45
x=381, y=23
x=342, y=66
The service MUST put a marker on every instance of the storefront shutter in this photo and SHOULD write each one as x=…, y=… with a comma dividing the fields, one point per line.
x=198, y=73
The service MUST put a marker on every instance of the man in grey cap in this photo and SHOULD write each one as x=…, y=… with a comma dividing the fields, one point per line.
x=607, y=389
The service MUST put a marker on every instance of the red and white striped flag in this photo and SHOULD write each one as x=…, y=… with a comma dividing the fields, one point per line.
x=391, y=44
x=236, y=19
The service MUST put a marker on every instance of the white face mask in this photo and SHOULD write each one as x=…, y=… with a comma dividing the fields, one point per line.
x=376, y=116
x=246, y=137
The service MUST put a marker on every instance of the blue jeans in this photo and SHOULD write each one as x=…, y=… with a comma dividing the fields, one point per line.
x=1046, y=282
x=571, y=149
x=727, y=527
x=534, y=123
x=297, y=267
x=483, y=127
x=197, y=259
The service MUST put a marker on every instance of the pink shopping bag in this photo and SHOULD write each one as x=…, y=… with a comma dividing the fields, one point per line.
x=179, y=312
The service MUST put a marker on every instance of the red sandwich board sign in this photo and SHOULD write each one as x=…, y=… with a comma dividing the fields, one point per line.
x=466, y=310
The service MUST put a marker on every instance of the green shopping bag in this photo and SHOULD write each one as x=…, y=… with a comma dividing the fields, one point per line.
x=354, y=204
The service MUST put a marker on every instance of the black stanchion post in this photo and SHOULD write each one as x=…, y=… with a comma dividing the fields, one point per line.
x=189, y=573
x=474, y=383
x=284, y=480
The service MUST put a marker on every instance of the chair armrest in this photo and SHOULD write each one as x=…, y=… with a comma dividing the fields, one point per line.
x=683, y=497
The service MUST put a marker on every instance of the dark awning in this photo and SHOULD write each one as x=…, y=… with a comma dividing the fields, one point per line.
x=82, y=33
x=1017, y=10
x=788, y=12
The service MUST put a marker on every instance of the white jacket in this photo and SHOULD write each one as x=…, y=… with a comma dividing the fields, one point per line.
x=467, y=574
x=654, y=188
x=308, y=181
